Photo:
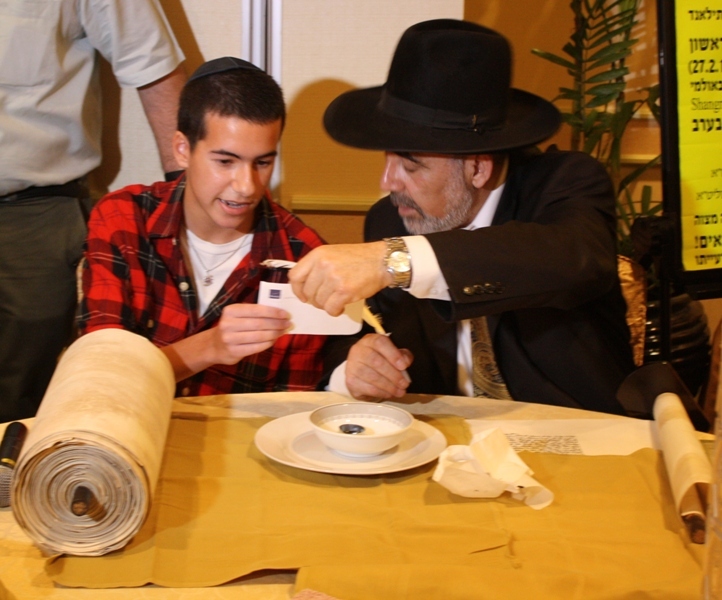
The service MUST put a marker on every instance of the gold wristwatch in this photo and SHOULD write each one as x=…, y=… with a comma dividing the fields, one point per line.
x=398, y=262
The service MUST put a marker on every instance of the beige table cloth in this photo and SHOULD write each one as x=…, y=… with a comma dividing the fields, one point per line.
x=612, y=531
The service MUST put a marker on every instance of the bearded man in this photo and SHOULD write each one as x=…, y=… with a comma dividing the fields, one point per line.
x=491, y=264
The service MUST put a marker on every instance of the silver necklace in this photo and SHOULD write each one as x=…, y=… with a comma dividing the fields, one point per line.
x=208, y=279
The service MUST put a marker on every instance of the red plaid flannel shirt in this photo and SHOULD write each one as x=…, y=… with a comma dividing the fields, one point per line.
x=135, y=278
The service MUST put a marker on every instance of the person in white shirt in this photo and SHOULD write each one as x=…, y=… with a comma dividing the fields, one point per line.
x=50, y=131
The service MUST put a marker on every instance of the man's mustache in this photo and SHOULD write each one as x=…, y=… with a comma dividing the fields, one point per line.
x=403, y=200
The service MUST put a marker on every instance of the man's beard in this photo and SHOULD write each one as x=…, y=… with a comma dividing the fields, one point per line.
x=459, y=201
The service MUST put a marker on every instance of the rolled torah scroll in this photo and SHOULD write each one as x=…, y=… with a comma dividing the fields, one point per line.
x=85, y=478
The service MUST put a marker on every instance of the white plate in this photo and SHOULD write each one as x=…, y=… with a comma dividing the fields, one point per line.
x=290, y=441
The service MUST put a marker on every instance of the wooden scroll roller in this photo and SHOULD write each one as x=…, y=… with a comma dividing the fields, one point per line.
x=687, y=464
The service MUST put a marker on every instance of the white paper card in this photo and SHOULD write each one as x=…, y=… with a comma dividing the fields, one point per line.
x=307, y=319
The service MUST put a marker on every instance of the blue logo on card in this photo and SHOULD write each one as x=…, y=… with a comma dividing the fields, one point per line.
x=275, y=294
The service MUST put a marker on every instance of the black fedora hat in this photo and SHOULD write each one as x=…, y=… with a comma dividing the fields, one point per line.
x=448, y=91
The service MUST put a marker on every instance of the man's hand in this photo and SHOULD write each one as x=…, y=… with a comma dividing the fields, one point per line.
x=375, y=368
x=242, y=330
x=330, y=277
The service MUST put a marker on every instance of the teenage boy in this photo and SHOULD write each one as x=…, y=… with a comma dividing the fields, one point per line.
x=180, y=262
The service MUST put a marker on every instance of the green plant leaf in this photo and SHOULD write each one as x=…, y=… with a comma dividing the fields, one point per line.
x=623, y=214
x=612, y=53
x=652, y=101
x=653, y=210
x=593, y=130
x=624, y=225
x=605, y=118
x=634, y=175
x=628, y=5
x=571, y=120
x=601, y=100
x=558, y=60
x=614, y=157
x=646, y=199
x=567, y=94
x=592, y=9
x=625, y=203
x=608, y=75
x=614, y=15
x=606, y=89
x=616, y=4
x=592, y=140
x=619, y=121
x=612, y=62
x=617, y=7
x=573, y=50
x=590, y=120
x=600, y=38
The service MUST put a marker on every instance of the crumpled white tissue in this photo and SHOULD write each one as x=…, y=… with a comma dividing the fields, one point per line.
x=488, y=467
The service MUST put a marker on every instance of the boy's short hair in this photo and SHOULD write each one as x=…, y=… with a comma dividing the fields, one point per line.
x=244, y=91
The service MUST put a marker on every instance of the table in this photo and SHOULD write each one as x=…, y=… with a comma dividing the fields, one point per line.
x=22, y=565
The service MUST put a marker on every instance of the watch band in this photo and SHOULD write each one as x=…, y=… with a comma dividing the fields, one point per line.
x=398, y=262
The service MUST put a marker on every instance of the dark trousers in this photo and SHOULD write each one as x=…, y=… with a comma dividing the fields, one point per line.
x=41, y=244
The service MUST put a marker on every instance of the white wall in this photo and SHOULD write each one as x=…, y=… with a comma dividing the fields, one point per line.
x=349, y=41
x=205, y=29
x=329, y=47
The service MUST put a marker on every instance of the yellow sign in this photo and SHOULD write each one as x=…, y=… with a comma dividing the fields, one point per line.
x=699, y=96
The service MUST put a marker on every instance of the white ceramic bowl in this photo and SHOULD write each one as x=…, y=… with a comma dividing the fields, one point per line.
x=384, y=426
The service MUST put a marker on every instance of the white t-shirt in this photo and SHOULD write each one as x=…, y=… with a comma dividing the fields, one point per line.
x=212, y=264
x=50, y=122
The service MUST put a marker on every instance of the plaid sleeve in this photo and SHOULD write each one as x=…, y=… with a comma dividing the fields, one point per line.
x=106, y=298
x=300, y=237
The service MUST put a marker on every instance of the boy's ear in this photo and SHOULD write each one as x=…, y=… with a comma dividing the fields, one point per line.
x=181, y=149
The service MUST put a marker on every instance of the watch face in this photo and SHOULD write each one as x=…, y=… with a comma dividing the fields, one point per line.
x=399, y=261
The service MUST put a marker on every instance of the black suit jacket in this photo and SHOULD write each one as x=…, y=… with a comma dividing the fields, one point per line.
x=545, y=276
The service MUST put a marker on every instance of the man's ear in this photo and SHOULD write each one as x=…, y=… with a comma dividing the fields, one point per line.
x=181, y=149
x=483, y=169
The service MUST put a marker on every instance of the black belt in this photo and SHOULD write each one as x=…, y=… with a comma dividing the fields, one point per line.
x=72, y=189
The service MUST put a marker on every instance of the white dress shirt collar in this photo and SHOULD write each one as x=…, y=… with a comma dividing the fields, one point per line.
x=486, y=214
